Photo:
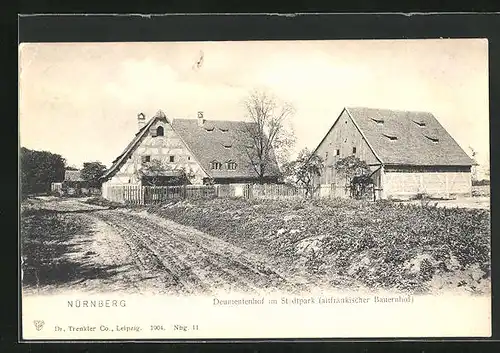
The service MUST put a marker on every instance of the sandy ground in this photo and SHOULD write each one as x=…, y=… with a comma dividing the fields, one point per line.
x=137, y=252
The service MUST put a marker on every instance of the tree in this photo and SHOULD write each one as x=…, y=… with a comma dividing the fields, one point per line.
x=152, y=172
x=184, y=176
x=474, y=164
x=304, y=169
x=269, y=136
x=156, y=172
x=356, y=172
x=39, y=169
x=91, y=172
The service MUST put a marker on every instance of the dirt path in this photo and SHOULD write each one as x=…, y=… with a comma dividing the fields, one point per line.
x=142, y=253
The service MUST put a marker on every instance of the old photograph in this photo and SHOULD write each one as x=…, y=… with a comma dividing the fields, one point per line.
x=232, y=189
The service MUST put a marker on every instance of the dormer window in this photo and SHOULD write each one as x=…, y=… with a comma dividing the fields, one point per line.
x=209, y=129
x=378, y=121
x=231, y=165
x=227, y=145
x=215, y=165
x=419, y=123
x=433, y=139
x=223, y=129
x=159, y=131
x=391, y=137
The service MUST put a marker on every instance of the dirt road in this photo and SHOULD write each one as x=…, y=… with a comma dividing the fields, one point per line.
x=136, y=252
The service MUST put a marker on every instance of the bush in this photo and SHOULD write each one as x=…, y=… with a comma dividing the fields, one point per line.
x=481, y=182
x=100, y=201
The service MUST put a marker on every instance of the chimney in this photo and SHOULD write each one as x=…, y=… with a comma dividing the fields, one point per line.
x=141, y=120
x=201, y=121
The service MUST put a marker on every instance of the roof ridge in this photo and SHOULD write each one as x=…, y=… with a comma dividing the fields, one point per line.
x=390, y=110
x=415, y=150
x=211, y=120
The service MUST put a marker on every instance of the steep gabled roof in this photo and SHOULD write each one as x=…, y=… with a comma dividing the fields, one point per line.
x=214, y=141
x=408, y=137
x=220, y=141
x=118, y=161
x=72, y=175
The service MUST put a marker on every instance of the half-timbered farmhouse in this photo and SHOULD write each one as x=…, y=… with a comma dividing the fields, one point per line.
x=211, y=150
x=409, y=153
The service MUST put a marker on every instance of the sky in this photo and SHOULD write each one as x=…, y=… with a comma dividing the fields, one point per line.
x=81, y=100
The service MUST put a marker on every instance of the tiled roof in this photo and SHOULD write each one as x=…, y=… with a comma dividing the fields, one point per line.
x=214, y=141
x=72, y=175
x=118, y=161
x=408, y=137
x=221, y=141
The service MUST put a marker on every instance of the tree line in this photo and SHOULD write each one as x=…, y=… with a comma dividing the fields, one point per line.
x=39, y=169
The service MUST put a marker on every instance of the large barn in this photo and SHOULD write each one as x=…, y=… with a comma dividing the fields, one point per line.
x=409, y=153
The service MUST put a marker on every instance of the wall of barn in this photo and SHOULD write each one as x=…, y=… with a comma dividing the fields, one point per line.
x=407, y=184
x=343, y=136
x=159, y=148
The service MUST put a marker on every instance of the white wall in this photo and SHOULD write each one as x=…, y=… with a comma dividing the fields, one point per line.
x=161, y=148
x=432, y=183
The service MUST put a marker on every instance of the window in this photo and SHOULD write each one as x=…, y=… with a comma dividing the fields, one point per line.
x=215, y=165
x=172, y=159
x=231, y=165
x=378, y=121
x=433, y=139
x=159, y=131
x=354, y=150
x=326, y=155
x=337, y=152
x=145, y=159
x=189, y=158
x=391, y=137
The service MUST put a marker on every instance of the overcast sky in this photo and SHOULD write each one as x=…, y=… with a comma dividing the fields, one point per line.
x=81, y=100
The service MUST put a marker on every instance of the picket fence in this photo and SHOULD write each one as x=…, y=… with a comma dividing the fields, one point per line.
x=143, y=195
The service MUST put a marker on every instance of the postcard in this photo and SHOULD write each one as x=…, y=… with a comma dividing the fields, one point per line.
x=255, y=189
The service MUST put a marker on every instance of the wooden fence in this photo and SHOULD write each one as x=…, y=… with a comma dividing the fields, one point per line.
x=159, y=194
x=140, y=195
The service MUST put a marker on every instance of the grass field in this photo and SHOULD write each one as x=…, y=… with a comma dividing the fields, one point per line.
x=379, y=245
